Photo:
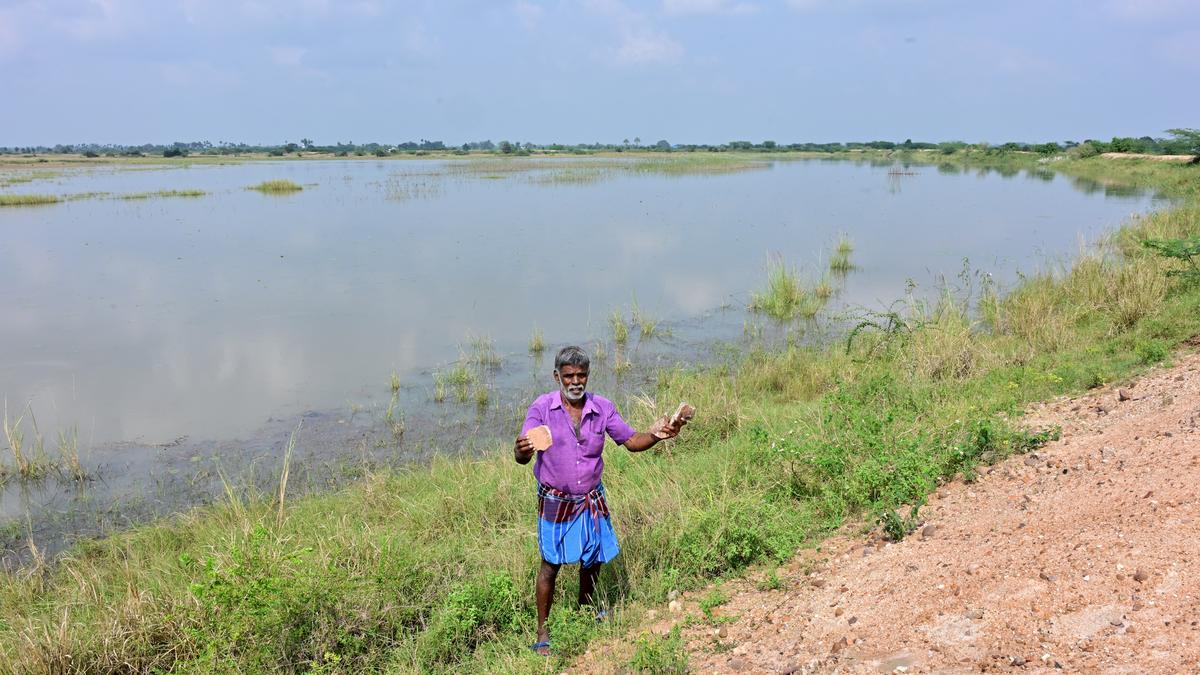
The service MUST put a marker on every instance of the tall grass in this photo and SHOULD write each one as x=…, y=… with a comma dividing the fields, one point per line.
x=620, y=329
x=28, y=200
x=786, y=297
x=278, y=186
x=537, y=341
x=431, y=568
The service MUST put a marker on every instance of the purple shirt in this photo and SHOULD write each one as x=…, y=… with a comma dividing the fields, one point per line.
x=572, y=464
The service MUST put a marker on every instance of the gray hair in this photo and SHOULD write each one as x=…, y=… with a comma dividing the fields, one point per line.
x=571, y=356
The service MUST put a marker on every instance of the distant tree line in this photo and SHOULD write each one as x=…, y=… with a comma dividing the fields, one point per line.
x=1180, y=142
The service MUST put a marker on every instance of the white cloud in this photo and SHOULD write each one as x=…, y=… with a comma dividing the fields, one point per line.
x=644, y=45
x=708, y=7
x=640, y=43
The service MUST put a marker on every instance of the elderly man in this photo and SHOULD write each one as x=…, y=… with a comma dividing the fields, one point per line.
x=574, y=524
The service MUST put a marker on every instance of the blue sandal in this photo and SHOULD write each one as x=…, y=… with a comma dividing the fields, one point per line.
x=537, y=648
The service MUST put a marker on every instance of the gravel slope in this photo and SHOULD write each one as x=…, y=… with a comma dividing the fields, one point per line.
x=1084, y=557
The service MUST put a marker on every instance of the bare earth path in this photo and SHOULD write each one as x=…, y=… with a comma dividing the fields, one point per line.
x=1084, y=557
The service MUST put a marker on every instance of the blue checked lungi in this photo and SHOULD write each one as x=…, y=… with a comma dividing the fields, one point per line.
x=575, y=528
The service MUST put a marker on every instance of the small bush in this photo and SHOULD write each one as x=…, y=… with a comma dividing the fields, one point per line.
x=660, y=655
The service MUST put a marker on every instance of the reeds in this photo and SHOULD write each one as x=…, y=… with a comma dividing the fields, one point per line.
x=620, y=329
x=537, y=341
x=164, y=193
x=840, y=263
x=28, y=200
x=278, y=186
x=786, y=297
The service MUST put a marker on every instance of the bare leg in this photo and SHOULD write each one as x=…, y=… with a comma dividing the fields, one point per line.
x=587, y=582
x=546, y=577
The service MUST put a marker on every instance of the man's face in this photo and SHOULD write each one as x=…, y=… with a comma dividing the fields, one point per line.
x=573, y=381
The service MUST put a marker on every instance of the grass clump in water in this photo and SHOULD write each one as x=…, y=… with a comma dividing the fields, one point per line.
x=28, y=200
x=840, y=262
x=163, y=193
x=278, y=186
x=786, y=297
x=620, y=329
x=537, y=342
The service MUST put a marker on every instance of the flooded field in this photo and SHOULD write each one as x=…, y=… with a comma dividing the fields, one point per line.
x=173, y=328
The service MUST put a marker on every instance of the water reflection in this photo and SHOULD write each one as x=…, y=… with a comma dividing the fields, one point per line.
x=167, y=330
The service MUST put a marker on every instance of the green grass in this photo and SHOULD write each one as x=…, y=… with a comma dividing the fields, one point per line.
x=278, y=186
x=620, y=329
x=786, y=297
x=431, y=568
x=164, y=193
x=537, y=341
x=28, y=200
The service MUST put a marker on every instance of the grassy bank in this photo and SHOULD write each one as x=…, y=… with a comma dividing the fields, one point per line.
x=432, y=568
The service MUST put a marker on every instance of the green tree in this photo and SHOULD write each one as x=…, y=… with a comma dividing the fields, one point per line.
x=1189, y=139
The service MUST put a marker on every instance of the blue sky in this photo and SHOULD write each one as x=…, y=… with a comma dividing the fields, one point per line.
x=266, y=71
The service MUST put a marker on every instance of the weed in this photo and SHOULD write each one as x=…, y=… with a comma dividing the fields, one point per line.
x=620, y=329
x=278, y=186
x=394, y=382
x=785, y=297
x=482, y=396
x=162, y=193
x=664, y=655
x=770, y=581
x=68, y=452
x=483, y=353
x=645, y=323
x=28, y=200
x=439, y=387
x=537, y=342
x=711, y=600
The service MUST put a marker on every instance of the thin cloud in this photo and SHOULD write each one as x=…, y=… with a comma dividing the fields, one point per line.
x=708, y=7
x=644, y=46
x=528, y=13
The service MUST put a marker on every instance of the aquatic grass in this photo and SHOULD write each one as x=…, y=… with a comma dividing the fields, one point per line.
x=162, y=193
x=647, y=325
x=7, y=180
x=278, y=186
x=28, y=199
x=394, y=382
x=786, y=297
x=439, y=387
x=483, y=352
x=69, y=464
x=620, y=329
x=839, y=262
x=823, y=289
x=537, y=341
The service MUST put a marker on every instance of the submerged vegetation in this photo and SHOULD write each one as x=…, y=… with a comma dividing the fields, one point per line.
x=786, y=296
x=163, y=193
x=28, y=199
x=278, y=186
x=431, y=568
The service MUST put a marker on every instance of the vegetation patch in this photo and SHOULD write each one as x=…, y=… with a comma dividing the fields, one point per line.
x=164, y=193
x=28, y=200
x=278, y=186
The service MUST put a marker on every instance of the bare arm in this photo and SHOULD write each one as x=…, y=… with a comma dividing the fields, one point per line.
x=641, y=440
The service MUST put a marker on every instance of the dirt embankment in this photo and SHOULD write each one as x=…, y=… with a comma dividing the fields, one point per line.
x=1083, y=557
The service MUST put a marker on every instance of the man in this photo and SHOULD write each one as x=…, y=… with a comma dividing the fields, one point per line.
x=574, y=524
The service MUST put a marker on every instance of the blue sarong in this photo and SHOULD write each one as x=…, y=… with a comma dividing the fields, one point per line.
x=575, y=528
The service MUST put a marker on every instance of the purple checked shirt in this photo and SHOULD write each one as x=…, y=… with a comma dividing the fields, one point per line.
x=572, y=464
